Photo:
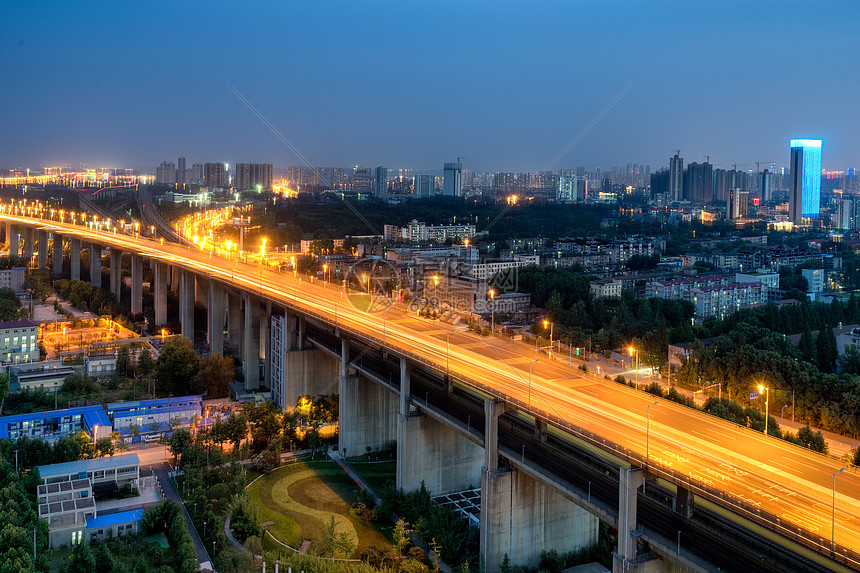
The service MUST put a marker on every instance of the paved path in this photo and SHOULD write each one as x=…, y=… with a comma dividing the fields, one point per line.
x=171, y=493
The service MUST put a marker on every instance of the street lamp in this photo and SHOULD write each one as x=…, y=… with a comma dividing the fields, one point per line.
x=436, y=290
x=545, y=323
x=530, y=379
x=325, y=273
x=493, y=310
x=833, y=521
x=631, y=350
x=648, y=432
x=766, y=404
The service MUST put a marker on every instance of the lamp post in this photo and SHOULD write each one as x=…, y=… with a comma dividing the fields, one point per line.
x=766, y=404
x=648, y=432
x=545, y=323
x=631, y=350
x=833, y=521
x=325, y=274
x=781, y=417
x=530, y=379
x=492, y=293
x=435, y=290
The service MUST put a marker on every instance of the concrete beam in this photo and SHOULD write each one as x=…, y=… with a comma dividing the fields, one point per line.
x=159, y=292
x=251, y=354
x=431, y=451
x=520, y=517
x=116, y=273
x=42, y=252
x=630, y=480
x=96, y=265
x=75, y=258
x=29, y=242
x=57, y=265
x=266, y=344
x=136, y=284
x=215, y=326
x=13, y=237
x=186, y=304
x=492, y=411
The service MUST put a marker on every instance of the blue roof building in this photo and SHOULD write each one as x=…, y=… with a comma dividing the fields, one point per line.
x=153, y=416
x=57, y=424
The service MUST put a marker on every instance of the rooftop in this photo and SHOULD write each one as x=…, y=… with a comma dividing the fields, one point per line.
x=17, y=324
x=92, y=416
x=114, y=518
x=88, y=465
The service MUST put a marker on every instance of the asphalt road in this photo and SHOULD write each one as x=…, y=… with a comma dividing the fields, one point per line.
x=755, y=471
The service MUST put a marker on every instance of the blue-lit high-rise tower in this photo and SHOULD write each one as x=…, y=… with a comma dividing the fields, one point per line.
x=804, y=198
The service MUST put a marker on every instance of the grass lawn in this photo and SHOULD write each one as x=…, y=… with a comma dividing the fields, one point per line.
x=376, y=474
x=301, y=498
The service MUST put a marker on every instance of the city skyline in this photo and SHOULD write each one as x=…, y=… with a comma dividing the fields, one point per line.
x=418, y=86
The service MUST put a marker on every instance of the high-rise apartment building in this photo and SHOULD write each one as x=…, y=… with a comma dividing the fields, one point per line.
x=252, y=176
x=214, y=175
x=425, y=185
x=848, y=213
x=362, y=180
x=566, y=190
x=738, y=204
x=180, y=171
x=676, y=178
x=166, y=173
x=197, y=173
x=452, y=185
x=380, y=181
x=698, y=182
x=765, y=186
x=804, y=194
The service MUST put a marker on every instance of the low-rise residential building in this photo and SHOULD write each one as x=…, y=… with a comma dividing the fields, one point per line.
x=153, y=416
x=13, y=278
x=57, y=424
x=39, y=376
x=723, y=300
x=607, y=288
x=675, y=289
x=814, y=279
x=67, y=499
x=101, y=365
x=18, y=341
x=770, y=280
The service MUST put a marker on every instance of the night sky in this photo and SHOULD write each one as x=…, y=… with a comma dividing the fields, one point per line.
x=410, y=84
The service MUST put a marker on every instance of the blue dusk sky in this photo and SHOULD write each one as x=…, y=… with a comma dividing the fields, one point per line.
x=413, y=84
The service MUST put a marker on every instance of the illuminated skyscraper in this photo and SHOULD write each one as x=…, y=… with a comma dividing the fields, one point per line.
x=453, y=181
x=676, y=178
x=804, y=196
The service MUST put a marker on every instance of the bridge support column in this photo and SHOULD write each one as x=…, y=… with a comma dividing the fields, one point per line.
x=368, y=411
x=234, y=321
x=186, y=304
x=296, y=373
x=75, y=258
x=57, y=264
x=251, y=354
x=300, y=332
x=29, y=240
x=42, y=246
x=432, y=452
x=159, y=291
x=266, y=344
x=630, y=480
x=215, y=327
x=116, y=273
x=136, y=284
x=684, y=502
x=96, y=266
x=13, y=237
x=201, y=291
x=520, y=517
x=175, y=278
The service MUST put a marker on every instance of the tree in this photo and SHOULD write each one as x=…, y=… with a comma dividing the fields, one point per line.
x=401, y=536
x=123, y=358
x=10, y=306
x=177, y=365
x=215, y=373
x=4, y=390
x=145, y=364
x=83, y=560
x=237, y=428
x=39, y=282
x=180, y=441
x=827, y=351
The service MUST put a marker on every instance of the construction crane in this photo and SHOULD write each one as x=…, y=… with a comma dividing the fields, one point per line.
x=707, y=158
x=459, y=157
x=677, y=151
x=758, y=165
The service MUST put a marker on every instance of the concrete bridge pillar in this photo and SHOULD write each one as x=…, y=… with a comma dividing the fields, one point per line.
x=57, y=264
x=432, y=452
x=234, y=320
x=630, y=480
x=266, y=344
x=520, y=516
x=368, y=411
x=42, y=253
x=8, y=231
x=75, y=258
x=215, y=326
x=29, y=242
x=13, y=237
x=300, y=332
x=159, y=291
x=96, y=266
x=136, y=284
x=186, y=304
x=116, y=273
x=175, y=278
x=201, y=291
x=251, y=354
